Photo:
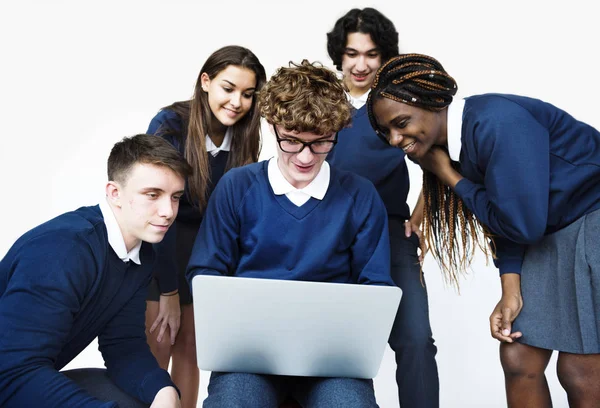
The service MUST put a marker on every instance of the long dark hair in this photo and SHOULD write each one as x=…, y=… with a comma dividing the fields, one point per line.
x=196, y=116
x=451, y=230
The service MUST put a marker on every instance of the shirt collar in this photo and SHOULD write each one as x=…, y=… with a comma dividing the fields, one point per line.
x=316, y=188
x=115, y=237
x=454, y=128
x=360, y=101
x=225, y=146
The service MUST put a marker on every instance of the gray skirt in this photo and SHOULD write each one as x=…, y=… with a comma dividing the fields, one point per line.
x=560, y=284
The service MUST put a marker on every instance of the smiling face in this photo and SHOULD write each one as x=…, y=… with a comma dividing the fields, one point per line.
x=299, y=169
x=412, y=129
x=360, y=63
x=230, y=93
x=145, y=204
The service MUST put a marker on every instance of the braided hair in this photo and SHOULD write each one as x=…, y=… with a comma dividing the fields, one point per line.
x=450, y=229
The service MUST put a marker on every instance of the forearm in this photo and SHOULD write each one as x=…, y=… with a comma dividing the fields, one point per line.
x=30, y=386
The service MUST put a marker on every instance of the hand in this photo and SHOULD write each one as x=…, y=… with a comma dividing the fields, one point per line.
x=507, y=309
x=166, y=397
x=409, y=227
x=437, y=161
x=169, y=314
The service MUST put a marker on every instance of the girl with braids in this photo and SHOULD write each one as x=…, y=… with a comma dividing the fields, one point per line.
x=527, y=175
x=216, y=130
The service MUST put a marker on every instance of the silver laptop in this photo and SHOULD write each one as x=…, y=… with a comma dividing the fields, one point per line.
x=294, y=328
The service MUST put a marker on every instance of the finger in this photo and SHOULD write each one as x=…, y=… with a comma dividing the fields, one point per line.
x=155, y=324
x=161, y=332
x=173, y=333
x=407, y=229
x=496, y=327
x=516, y=335
x=506, y=321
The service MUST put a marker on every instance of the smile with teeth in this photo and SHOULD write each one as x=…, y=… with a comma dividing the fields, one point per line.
x=409, y=146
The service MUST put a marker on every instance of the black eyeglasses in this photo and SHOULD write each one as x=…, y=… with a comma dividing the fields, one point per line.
x=296, y=146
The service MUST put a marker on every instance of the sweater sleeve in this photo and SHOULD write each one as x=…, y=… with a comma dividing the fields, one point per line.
x=165, y=124
x=509, y=255
x=47, y=287
x=129, y=361
x=371, y=247
x=216, y=249
x=513, y=152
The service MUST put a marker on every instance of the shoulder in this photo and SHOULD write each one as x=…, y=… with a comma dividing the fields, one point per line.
x=240, y=180
x=77, y=237
x=165, y=120
x=355, y=186
x=247, y=174
x=497, y=106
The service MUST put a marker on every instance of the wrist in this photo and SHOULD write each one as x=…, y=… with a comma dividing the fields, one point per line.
x=452, y=178
x=172, y=293
x=511, y=284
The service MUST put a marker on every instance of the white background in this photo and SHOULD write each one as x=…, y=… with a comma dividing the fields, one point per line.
x=77, y=76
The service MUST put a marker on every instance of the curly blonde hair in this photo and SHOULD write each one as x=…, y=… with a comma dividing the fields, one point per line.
x=306, y=97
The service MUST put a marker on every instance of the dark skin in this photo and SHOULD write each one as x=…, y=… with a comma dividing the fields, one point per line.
x=422, y=134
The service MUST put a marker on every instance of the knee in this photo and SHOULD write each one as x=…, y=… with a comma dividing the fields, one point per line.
x=186, y=338
x=345, y=392
x=516, y=365
x=243, y=390
x=576, y=378
x=414, y=339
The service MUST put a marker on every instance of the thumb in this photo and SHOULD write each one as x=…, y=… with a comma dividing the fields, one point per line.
x=506, y=321
x=407, y=229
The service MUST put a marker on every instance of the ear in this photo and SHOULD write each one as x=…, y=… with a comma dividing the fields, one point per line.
x=204, y=81
x=113, y=194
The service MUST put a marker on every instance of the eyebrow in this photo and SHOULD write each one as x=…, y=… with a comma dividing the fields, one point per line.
x=235, y=86
x=284, y=136
x=376, y=49
x=159, y=190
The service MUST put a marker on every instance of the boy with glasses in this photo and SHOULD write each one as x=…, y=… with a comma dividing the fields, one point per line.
x=294, y=217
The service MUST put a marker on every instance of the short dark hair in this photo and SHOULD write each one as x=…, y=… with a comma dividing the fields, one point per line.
x=147, y=149
x=368, y=21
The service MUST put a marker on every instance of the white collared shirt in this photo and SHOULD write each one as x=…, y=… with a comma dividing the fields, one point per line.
x=225, y=146
x=299, y=196
x=115, y=237
x=360, y=101
x=454, y=128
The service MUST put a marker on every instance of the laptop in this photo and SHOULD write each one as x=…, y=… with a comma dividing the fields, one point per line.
x=292, y=328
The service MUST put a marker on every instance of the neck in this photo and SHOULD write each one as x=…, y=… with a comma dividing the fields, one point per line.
x=217, y=132
x=442, y=139
x=130, y=240
x=354, y=91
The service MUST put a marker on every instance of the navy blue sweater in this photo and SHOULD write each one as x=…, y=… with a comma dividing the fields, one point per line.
x=361, y=151
x=249, y=231
x=168, y=125
x=61, y=286
x=530, y=169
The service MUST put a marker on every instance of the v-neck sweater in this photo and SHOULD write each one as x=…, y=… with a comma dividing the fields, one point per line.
x=248, y=231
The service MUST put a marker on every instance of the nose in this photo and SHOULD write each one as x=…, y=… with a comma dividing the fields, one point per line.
x=395, y=138
x=361, y=64
x=305, y=156
x=236, y=99
x=168, y=208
